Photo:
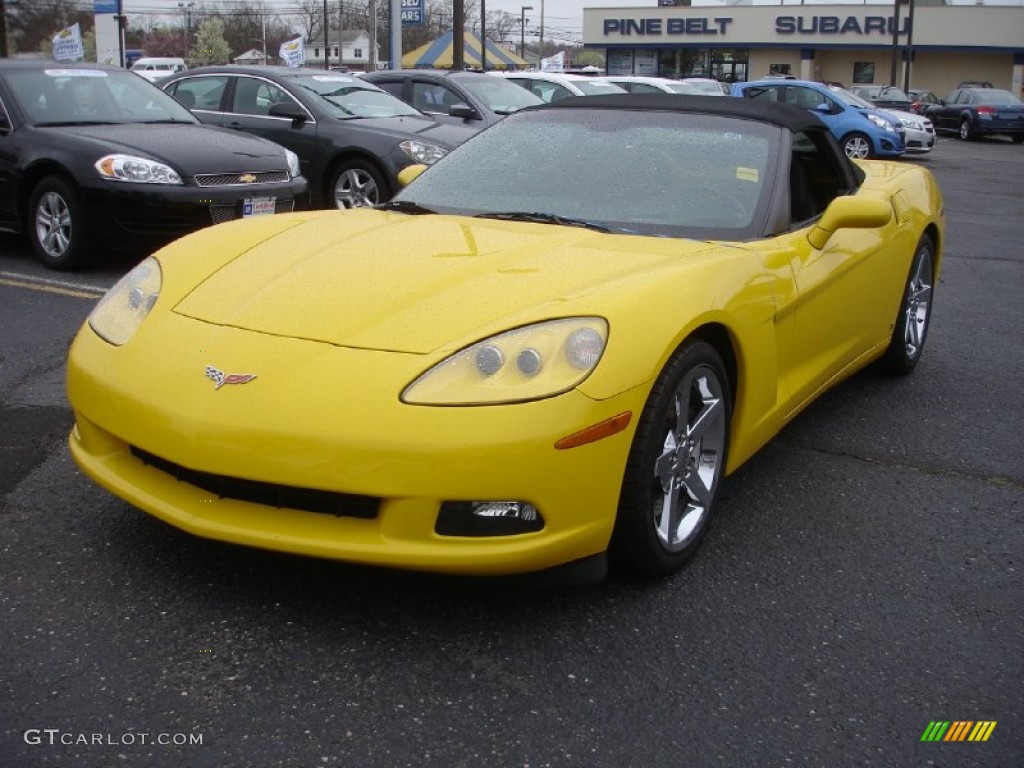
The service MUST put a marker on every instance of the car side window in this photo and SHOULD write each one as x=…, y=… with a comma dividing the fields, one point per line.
x=815, y=179
x=255, y=97
x=425, y=97
x=202, y=93
x=549, y=92
x=806, y=98
x=394, y=87
x=642, y=88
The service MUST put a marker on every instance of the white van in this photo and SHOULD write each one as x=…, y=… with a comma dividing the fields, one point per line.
x=155, y=68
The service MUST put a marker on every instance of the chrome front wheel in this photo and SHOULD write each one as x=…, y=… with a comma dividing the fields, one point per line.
x=911, y=327
x=676, y=464
x=358, y=185
x=857, y=146
x=56, y=226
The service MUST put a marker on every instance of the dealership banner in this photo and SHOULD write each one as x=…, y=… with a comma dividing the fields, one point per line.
x=293, y=52
x=67, y=45
x=554, y=63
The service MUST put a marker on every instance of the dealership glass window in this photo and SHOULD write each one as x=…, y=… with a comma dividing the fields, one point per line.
x=863, y=71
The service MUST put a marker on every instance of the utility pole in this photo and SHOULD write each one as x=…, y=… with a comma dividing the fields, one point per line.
x=373, y=36
x=458, y=30
x=327, y=51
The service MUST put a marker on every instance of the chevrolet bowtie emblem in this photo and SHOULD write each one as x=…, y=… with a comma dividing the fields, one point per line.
x=220, y=378
x=247, y=178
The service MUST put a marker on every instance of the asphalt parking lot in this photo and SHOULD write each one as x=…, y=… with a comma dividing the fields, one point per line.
x=862, y=580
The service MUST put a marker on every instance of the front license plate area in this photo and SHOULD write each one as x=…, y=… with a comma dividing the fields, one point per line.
x=258, y=206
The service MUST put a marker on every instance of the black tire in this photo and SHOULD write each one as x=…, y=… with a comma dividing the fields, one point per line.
x=911, y=328
x=56, y=224
x=1017, y=139
x=966, y=131
x=357, y=184
x=857, y=146
x=681, y=441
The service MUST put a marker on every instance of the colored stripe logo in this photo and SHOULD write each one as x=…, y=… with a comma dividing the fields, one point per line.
x=958, y=730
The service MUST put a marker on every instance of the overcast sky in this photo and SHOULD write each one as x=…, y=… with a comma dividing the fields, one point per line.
x=563, y=19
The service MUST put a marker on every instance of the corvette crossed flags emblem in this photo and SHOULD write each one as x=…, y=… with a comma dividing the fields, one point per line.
x=220, y=378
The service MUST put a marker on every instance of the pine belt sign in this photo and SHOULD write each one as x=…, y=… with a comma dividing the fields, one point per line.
x=412, y=13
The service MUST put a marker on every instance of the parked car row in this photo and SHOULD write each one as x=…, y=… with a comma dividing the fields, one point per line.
x=352, y=138
x=97, y=156
x=248, y=141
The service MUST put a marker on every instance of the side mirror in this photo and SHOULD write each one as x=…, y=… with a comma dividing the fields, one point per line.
x=849, y=212
x=408, y=174
x=288, y=109
x=823, y=107
x=462, y=110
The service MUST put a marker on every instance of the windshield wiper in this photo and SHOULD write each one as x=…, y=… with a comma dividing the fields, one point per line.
x=405, y=206
x=547, y=218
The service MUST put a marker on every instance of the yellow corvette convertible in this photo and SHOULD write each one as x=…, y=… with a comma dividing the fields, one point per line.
x=547, y=350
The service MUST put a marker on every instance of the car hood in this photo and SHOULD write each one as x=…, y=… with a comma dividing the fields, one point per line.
x=404, y=127
x=188, y=148
x=387, y=281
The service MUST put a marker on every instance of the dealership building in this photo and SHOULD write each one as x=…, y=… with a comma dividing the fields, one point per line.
x=929, y=46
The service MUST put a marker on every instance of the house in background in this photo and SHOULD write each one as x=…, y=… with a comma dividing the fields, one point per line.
x=254, y=57
x=345, y=48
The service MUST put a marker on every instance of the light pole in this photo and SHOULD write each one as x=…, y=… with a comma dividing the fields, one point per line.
x=522, y=31
x=187, y=27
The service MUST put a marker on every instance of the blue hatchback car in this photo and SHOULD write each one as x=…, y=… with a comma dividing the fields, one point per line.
x=861, y=132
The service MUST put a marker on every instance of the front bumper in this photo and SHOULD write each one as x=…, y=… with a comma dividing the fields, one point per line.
x=128, y=215
x=321, y=418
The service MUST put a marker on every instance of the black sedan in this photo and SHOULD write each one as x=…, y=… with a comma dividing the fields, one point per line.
x=98, y=156
x=974, y=112
x=455, y=96
x=352, y=138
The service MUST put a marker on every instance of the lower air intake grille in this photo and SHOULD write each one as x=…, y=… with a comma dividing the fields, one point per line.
x=267, y=494
x=221, y=213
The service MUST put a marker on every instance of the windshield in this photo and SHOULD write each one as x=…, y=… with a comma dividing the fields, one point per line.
x=657, y=173
x=58, y=96
x=349, y=97
x=499, y=95
x=850, y=99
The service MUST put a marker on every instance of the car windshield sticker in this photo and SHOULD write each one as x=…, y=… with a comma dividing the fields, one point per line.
x=746, y=174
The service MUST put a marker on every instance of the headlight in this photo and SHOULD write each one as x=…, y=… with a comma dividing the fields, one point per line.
x=120, y=313
x=524, y=364
x=293, y=163
x=882, y=123
x=423, y=153
x=137, y=169
x=914, y=125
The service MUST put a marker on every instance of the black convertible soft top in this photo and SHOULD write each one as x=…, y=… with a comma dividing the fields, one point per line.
x=786, y=115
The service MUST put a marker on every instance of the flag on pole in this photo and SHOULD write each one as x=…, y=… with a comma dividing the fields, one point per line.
x=554, y=63
x=293, y=52
x=67, y=44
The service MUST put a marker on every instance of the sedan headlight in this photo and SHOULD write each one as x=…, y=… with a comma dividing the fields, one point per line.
x=882, y=123
x=523, y=364
x=914, y=125
x=423, y=153
x=120, y=313
x=137, y=169
x=293, y=163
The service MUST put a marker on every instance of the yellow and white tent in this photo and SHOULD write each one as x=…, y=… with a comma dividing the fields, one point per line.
x=438, y=54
